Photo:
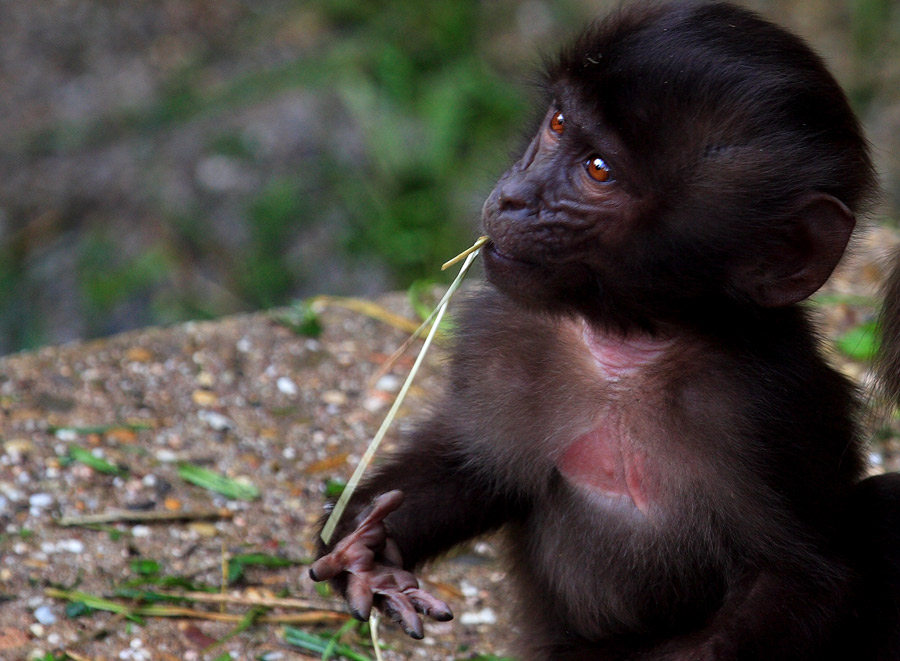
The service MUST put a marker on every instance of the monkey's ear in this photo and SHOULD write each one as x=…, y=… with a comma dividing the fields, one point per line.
x=810, y=248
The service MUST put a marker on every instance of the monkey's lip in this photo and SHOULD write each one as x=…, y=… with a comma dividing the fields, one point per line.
x=492, y=252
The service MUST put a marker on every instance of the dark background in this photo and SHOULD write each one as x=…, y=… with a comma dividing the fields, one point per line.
x=164, y=160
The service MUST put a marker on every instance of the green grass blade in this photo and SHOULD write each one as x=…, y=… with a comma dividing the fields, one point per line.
x=213, y=481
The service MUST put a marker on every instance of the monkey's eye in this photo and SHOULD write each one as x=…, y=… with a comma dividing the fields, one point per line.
x=597, y=169
x=558, y=122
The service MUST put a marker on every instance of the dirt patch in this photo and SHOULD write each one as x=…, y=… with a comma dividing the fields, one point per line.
x=245, y=398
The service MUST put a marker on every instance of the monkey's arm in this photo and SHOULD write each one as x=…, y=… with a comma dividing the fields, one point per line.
x=424, y=500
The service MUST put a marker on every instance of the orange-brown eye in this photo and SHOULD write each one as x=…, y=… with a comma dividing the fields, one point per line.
x=597, y=169
x=557, y=122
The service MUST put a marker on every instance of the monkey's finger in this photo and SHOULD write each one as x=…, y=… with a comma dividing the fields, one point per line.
x=381, y=507
x=328, y=566
x=391, y=553
x=359, y=598
x=397, y=607
x=429, y=606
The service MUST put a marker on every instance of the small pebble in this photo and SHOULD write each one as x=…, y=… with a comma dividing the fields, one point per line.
x=44, y=615
x=216, y=421
x=374, y=403
x=166, y=456
x=17, y=447
x=468, y=589
x=203, y=529
x=484, y=616
x=334, y=397
x=388, y=383
x=71, y=545
x=286, y=386
x=15, y=495
x=140, y=531
x=41, y=500
x=204, y=398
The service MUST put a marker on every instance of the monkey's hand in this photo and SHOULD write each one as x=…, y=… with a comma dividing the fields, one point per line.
x=374, y=572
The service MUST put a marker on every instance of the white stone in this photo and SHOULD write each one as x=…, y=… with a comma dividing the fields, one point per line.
x=44, y=615
x=389, y=383
x=484, y=616
x=166, y=456
x=468, y=589
x=71, y=545
x=216, y=421
x=41, y=500
x=286, y=386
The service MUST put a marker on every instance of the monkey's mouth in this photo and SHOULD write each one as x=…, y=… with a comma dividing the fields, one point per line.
x=493, y=252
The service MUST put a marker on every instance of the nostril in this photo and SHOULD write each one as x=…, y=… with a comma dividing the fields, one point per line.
x=511, y=202
x=516, y=195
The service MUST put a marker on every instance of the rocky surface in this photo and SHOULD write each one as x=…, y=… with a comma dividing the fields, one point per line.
x=245, y=397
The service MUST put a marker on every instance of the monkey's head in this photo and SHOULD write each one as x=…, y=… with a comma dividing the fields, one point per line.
x=691, y=154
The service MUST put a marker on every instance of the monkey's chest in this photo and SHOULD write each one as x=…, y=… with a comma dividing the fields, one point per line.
x=604, y=464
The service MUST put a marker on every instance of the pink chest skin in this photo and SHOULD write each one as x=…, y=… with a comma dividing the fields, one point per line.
x=598, y=462
x=607, y=460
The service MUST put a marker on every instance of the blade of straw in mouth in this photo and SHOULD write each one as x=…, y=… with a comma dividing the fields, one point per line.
x=438, y=314
x=465, y=253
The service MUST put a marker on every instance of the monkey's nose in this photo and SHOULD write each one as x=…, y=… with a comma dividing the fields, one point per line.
x=516, y=196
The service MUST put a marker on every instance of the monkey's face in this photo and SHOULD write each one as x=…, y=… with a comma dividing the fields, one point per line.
x=560, y=218
x=640, y=201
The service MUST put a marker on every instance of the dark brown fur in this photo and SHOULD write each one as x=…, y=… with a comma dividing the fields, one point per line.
x=637, y=399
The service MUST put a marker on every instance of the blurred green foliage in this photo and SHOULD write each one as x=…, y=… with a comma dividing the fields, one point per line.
x=266, y=277
x=420, y=105
x=433, y=118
